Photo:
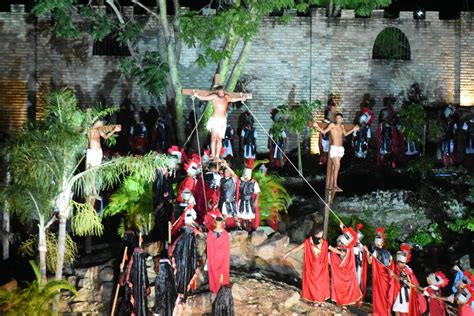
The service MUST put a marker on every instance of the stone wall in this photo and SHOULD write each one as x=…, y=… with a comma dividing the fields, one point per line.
x=308, y=58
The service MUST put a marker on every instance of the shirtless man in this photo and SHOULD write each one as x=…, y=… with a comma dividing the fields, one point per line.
x=337, y=132
x=217, y=123
x=94, y=152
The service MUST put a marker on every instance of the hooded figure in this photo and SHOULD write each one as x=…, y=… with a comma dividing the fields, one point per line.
x=165, y=287
x=382, y=263
x=135, y=282
x=223, y=305
x=345, y=289
x=405, y=299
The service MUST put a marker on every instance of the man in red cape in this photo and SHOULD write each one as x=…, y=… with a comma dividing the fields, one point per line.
x=436, y=281
x=345, y=288
x=382, y=263
x=218, y=256
x=191, y=167
x=315, y=288
x=405, y=298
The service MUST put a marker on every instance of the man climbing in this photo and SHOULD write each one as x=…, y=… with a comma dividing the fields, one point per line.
x=217, y=123
x=337, y=132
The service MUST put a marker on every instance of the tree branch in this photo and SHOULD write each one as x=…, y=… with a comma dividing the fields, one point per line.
x=144, y=7
x=239, y=65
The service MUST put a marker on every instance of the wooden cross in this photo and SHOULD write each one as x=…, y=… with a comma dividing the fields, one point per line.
x=208, y=92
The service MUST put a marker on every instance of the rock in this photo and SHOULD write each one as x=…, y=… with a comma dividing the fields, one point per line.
x=84, y=295
x=10, y=286
x=106, y=274
x=464, y=262
x=72, y=279
x=198, y=304
x=85, y=307
x=301, y=230
x=238, y=292
x=240, y=255
x=258, y=237
x=267, y=229
x=272, y=247
x=106, y=290
x=292, y=300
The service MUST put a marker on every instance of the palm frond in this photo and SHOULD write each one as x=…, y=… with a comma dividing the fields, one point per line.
x=86, y=221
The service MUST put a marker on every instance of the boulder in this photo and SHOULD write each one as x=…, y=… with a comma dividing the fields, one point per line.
x=292, y=300
x=106, y=274
x=273, y=247
x=239, y=293
x=241, y=255
x=258, y=237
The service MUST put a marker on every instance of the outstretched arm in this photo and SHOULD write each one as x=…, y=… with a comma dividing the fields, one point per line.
x=335, y=250
x=208, y=97
x=324, y=131
x=355, y=128
x=293, y=250
x=242, y=98
x=107, y=131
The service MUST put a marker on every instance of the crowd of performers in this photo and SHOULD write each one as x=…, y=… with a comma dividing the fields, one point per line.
x=391, y=144
x=340, y=273
x=210, y=198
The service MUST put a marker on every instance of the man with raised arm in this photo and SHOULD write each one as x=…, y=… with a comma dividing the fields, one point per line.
x=337, y=132
x=217, y=123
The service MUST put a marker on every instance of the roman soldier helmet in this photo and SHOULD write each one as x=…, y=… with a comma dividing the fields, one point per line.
x=190, y=216
x=463, y=296
x=247, y=173
x=347, y=239
x=438, y=279
x=176, y=151
x=192, y=165
x=360, y=236
x=404, y=255
x=379, y=237
x=466, y=280
x=186, y=196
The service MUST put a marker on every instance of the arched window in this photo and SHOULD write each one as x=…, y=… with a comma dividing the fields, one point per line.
x=391, y=44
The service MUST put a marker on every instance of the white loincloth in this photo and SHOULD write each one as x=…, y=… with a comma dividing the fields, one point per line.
x=336, y=151
x=94, y=157
x=217, y=124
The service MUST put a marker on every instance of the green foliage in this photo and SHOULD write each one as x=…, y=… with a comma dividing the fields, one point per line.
x=35, y=299
x=151, y=73
x=461, y=224
x=412, y=118
x=422, y=167
x=134, y=200
x=295, y=118
x=29, y=248
x=425, y=238
x=85, y=221
x=434, y=130
x=273, y=196
x=362, y=7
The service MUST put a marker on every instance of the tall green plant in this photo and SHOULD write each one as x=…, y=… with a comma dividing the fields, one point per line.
x=36, y=299
x=412, y=118
x=295, y=119
x=134, y=200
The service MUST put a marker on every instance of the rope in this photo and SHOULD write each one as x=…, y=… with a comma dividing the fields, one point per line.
x=292, y=164
x=196, y=125
x=198, y=146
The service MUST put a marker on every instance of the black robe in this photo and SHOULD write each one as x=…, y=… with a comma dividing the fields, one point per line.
x=165, y=290
x=186, y=257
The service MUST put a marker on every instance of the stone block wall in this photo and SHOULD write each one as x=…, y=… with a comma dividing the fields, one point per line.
x=307, y=58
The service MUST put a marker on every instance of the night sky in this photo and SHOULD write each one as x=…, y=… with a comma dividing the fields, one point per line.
x=449, y=8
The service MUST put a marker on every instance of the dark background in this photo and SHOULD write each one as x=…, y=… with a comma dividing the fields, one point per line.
x=449, y=9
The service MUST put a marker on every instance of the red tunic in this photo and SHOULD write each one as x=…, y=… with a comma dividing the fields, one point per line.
x=467, y=309
x=381, y=280
x=345, y=288
x=188, y=183
x=218, y=260
x=315, y=273
x=436, y=306
x=417, y=302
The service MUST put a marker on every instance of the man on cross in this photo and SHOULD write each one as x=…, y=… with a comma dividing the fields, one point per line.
x=217, y=123
x=337, y=132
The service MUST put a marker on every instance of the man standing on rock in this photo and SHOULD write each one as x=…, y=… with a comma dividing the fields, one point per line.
x=315, y=288
x=337, y=132
x=217, y=123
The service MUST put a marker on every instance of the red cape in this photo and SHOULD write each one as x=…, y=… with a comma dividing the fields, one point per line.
x=436, y=306
x=345, y=289
x=218, y=260
x=467, y=309
x=381, y=280
x=315, y=273
x=417, y=302
x=188, y=183
x=363, y=281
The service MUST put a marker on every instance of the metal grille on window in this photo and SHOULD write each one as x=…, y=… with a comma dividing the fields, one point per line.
x=110, y=46
x=391, y=44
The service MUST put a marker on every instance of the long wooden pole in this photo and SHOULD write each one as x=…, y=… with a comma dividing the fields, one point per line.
x=124, y=257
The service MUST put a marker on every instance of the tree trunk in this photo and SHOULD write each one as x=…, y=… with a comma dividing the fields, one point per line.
x=61, y=246
x=239, y=65
x=6, y=223
x=42, y=249
x=300, y=162
x=170, y=43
